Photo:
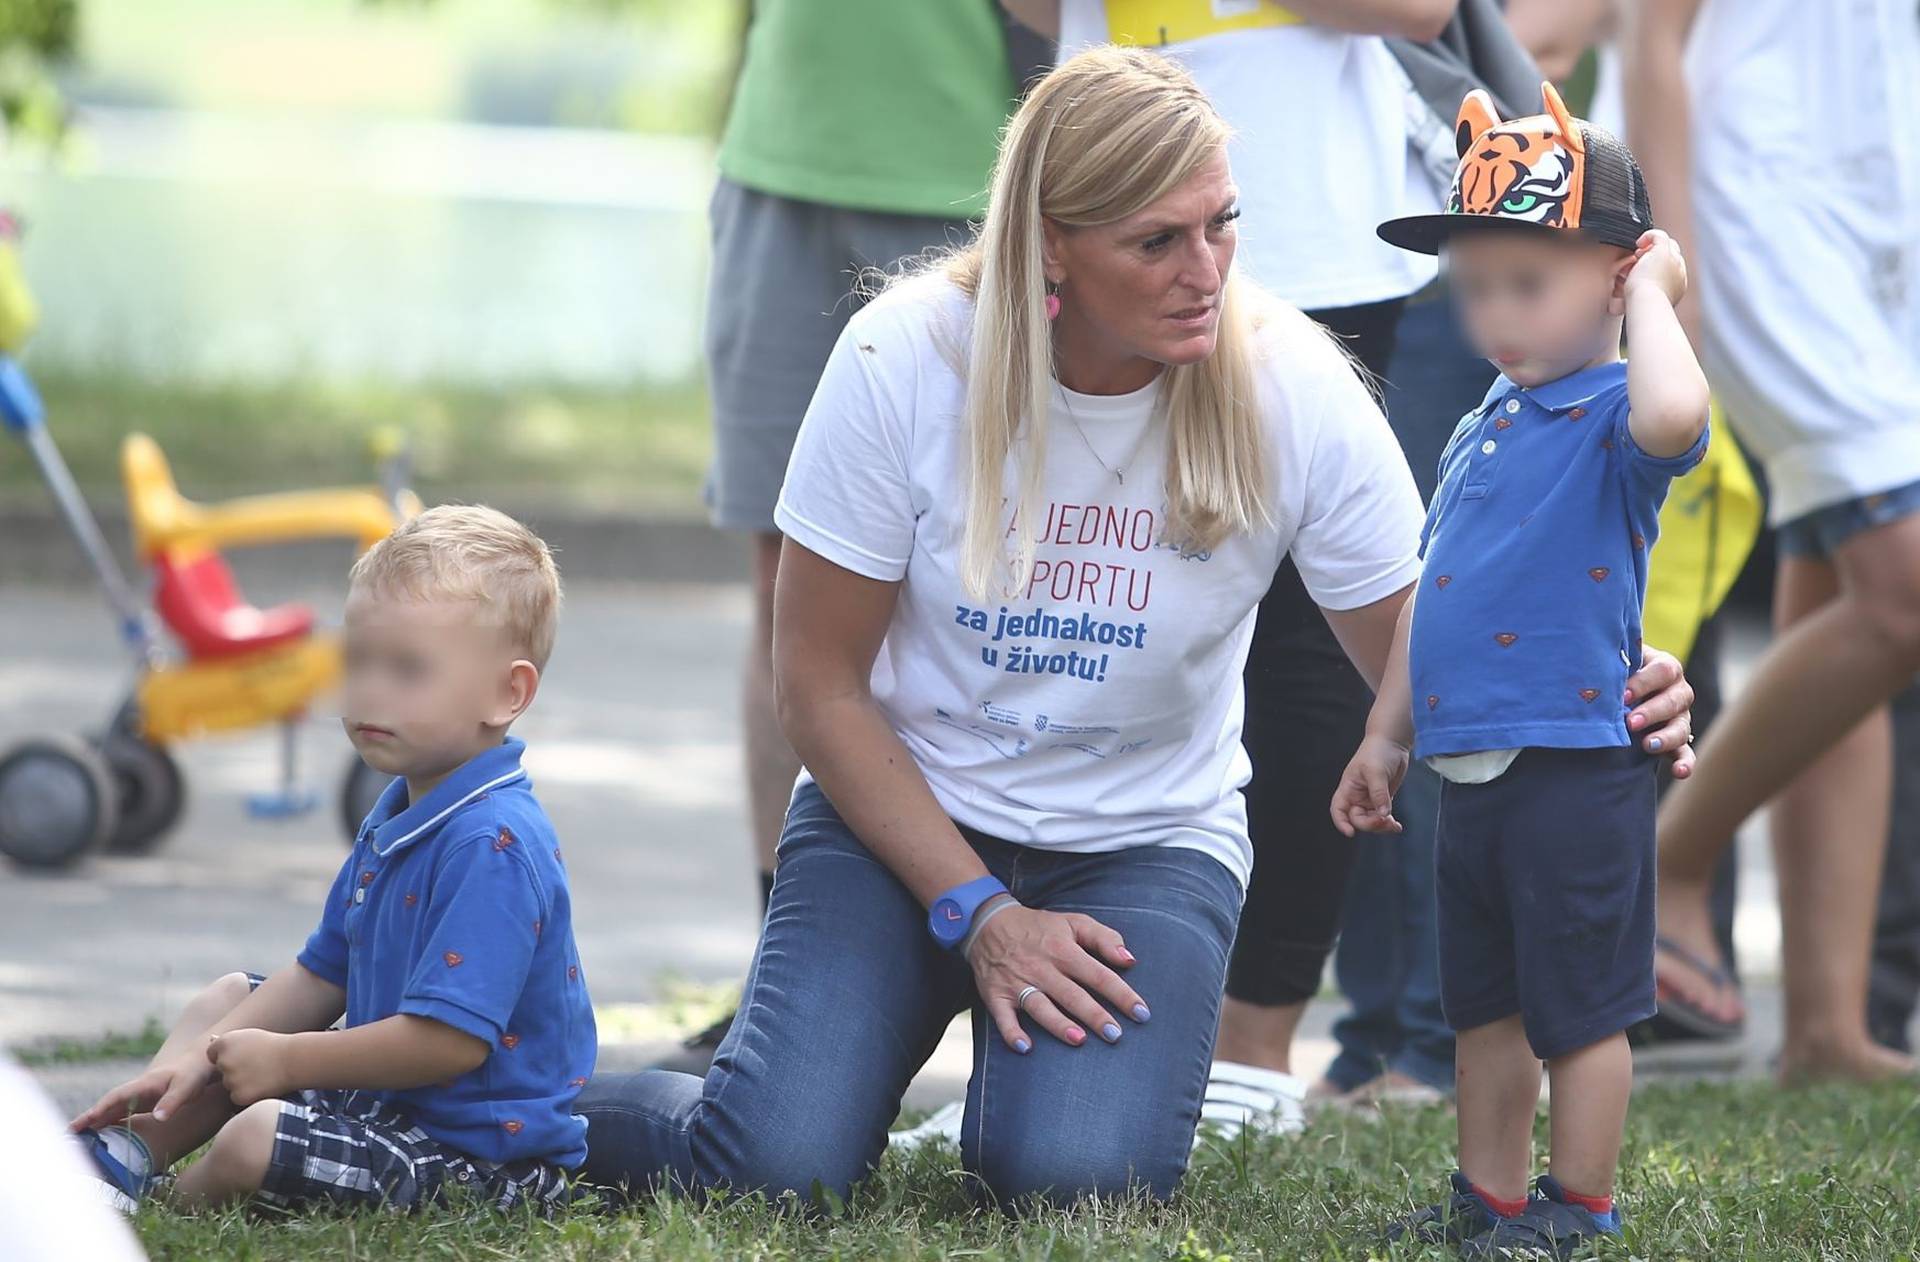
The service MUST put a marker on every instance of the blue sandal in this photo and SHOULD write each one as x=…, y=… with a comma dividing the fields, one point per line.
x=1549, y=1227
x=1454, y=1221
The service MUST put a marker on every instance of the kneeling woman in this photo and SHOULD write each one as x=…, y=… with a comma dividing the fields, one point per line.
x=1038, y=495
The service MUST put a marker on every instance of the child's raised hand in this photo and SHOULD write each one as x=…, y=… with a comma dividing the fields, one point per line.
x=160, y=1090
x=1657, y=262
x=1364, y=800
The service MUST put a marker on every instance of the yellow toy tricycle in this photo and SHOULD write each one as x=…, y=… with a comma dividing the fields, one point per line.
x=236, y=666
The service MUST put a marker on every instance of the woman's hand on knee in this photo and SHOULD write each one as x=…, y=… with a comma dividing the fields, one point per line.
x=1662, y=715
x=1062, y=963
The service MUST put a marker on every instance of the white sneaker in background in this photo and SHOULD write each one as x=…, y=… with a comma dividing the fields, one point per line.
x=944, y=1124
x=1246, y=1097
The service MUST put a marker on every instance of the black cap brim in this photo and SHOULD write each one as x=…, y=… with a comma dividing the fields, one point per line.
x=1420, y=233
x=1425, y=234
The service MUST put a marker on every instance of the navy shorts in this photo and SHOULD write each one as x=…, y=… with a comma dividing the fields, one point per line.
x=1545, y=878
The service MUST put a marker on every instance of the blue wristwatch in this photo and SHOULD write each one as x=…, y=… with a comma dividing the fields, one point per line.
x=952, y=913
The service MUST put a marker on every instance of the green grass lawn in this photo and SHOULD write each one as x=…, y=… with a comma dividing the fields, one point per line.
x=643, y=450
x=1710, y=1172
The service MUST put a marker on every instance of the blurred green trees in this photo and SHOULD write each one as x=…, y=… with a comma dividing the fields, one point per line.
x=33, y=35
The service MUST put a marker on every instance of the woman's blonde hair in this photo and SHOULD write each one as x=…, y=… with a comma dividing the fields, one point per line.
x=1107, y=133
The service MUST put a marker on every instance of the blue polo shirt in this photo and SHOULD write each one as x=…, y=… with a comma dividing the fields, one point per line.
x=1527, y=621
x=456, y=908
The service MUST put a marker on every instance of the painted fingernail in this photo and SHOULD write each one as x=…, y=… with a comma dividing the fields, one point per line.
x=1110, y=1032
x=1022, y=1046
x=1140, y=1013
x=1076, y=1035
x=1653, y=743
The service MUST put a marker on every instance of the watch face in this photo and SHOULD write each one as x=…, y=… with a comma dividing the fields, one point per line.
x=949, y=922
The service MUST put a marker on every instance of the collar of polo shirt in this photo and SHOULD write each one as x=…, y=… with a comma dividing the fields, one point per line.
x=1564, y=393
x=394, y=824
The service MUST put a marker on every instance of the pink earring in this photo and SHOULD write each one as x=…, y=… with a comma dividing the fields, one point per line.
x=1053, y=306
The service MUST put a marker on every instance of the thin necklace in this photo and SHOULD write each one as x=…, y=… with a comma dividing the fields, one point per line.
x=1119, y=474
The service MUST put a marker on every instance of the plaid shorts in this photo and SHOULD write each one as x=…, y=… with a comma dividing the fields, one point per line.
x=354, y=1150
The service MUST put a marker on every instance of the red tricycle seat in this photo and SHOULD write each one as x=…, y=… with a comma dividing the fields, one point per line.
x=196, y=596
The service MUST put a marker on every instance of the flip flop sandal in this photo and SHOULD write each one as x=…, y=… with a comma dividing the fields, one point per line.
x=1683, y=1015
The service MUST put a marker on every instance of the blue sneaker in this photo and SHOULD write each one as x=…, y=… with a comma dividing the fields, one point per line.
x=1549, y=1227
x=1460, y=1217
x=122, y=1164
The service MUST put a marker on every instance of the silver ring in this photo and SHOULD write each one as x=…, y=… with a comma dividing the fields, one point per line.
x=1026, y=993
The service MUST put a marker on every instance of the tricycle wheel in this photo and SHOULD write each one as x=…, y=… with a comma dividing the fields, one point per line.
x=57, y=801
x=152, y=791
x=359, y=794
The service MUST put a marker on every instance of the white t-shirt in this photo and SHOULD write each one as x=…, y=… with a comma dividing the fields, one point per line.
x=1320, y=148
x=1099, y=708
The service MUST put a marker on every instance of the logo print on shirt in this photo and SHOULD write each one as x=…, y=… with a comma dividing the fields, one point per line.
x=1505, y=639
x=1503, y=423
x=454, y=959
x=505, y=838
x=1606, y=444
x=1442, y=581
x=1598, y=573
x=536, y=928
x=411, y=898
x=1639, y=543
x=366, y=878
x=1575, y=414
x=1432, y=701
x=577, y=1082
x=1588, y=694
x=513, y=1127
x=509, y=1041
x=573, y=972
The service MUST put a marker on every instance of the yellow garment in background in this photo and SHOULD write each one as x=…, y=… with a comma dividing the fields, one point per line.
x=1150, y=23
x=19, y=313
x=1707, y=528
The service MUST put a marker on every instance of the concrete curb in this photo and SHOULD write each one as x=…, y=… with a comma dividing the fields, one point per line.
x=35, y=547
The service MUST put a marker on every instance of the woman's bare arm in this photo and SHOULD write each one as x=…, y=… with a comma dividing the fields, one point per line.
x=828, y=624
x=1367, y=634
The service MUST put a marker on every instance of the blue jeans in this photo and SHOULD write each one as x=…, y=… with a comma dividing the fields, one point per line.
x=1387, y=963
x=848, y=996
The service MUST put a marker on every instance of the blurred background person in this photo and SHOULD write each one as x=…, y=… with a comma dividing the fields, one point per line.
x=860, y=134
x=1785, y=132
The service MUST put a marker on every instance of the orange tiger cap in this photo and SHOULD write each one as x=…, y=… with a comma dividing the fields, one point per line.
x=1547, y=171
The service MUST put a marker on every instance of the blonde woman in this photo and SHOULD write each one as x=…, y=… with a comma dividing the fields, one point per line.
x=1040, y=491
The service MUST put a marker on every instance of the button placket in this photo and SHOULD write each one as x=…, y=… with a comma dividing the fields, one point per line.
x=1479, y=472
